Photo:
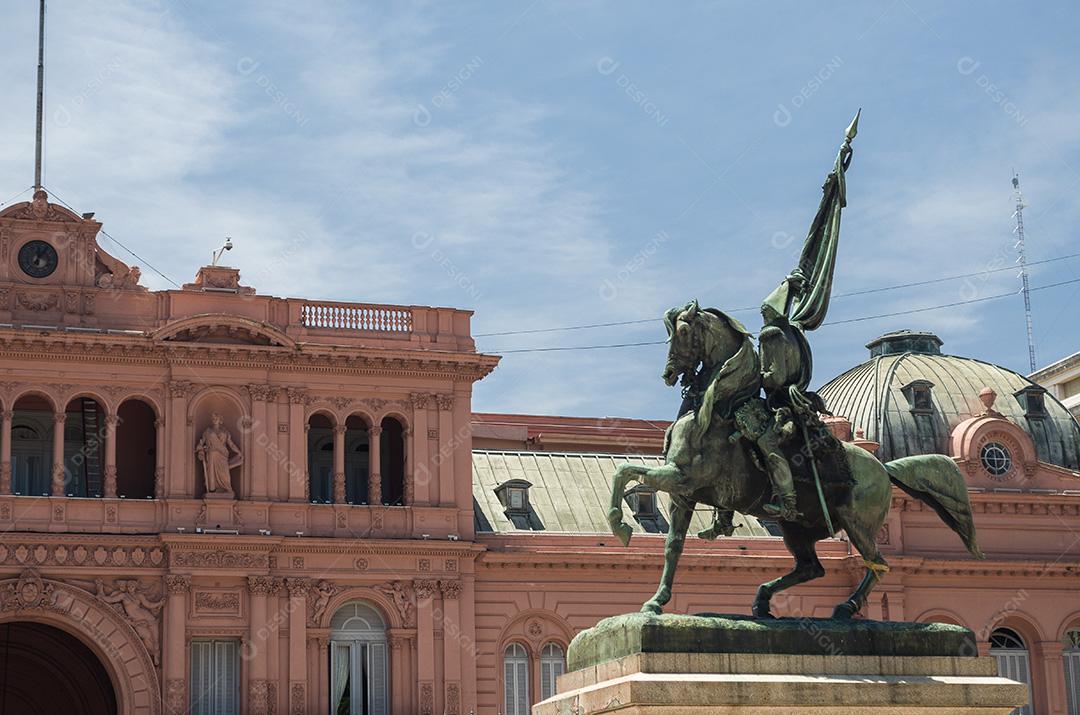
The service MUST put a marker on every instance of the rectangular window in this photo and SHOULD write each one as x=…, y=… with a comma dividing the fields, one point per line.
x=1070, y=388
x=358, y=678
x=215, y=677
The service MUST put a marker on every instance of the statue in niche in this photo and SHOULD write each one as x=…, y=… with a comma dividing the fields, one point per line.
x=140, y=611
x=218, y=454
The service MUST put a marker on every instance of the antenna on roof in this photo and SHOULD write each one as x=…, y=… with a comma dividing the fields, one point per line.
x=1021, y=249
x=40, y=97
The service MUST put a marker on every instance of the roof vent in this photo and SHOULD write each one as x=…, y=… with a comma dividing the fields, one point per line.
x=905, y=341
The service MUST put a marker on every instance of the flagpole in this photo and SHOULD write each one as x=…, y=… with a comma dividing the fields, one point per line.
x=40, y=96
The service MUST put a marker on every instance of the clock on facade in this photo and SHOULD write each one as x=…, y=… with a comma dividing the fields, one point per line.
x=37, y=259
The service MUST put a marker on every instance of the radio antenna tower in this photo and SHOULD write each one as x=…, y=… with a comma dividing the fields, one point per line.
x=1021, y=249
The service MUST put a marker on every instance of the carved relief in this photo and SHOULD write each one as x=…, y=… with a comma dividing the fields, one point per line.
x=175, y=583
x=427, y=698
x=318, y=600
x=425, y=588
x=401, y=593
x=175, y=697
x=450, y=589
x=131, y=601
x=30, y=592
x=297, y=706
x=259, y=697
x=219, y=559
x=445, y=402
x=37, y=301
x=453, y=699
x=180, y=389
x=420, y=400
x=217, y=602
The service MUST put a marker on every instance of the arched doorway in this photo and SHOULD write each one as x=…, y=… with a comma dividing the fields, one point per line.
x=44, y=670
x=358, y=669
x=1013, y=661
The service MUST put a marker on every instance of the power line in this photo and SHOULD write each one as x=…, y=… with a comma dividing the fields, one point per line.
x=867, y=291
x=112, y=238
x=831, y=322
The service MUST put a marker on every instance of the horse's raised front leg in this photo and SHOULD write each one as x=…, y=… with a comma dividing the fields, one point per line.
x=682, y=510
x=807, y=567
x=666, y=478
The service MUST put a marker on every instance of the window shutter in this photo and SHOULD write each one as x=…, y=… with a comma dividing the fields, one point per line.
x=215, y=677
x=508, y=687
x=1072, y=679
x=523, y=688
x=200, y=666
x=378, y=678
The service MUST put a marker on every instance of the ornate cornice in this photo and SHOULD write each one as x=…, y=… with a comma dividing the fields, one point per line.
x=308, y=358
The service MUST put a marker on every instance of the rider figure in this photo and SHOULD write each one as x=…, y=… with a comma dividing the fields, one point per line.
x=783, y=372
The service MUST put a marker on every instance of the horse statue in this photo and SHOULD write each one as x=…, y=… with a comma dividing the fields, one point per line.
x=733, y=449
x=704, y=465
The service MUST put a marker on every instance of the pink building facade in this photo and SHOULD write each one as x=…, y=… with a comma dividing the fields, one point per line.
x=216, y=501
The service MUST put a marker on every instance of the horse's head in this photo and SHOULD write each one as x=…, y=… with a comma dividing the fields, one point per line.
x=686, y=340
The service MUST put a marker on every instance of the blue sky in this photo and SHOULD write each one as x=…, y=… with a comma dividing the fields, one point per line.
x=550, y=163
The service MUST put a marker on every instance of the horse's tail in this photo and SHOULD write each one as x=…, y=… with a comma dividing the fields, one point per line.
x=935, y=480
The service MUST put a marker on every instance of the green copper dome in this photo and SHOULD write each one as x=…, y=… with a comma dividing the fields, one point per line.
x=909, y=396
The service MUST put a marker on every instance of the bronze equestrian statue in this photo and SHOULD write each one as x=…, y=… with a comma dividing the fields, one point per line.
x=749, y=437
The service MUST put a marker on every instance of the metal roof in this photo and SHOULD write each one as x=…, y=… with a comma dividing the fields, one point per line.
x=871, y=396
x=570, y=493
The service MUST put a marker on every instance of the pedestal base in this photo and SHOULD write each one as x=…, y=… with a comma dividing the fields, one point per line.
x=836, y=674
x=219, y=510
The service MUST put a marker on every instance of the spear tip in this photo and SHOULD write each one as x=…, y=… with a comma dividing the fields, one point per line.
x=853, y=128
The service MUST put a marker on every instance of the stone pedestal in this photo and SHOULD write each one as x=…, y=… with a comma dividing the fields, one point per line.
x=219, y=511
x=643, y=664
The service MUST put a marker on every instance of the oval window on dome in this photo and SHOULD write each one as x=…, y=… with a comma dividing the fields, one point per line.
x=995, y=459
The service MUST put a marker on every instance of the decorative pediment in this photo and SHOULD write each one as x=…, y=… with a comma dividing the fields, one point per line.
x=39, y=209
x=223, y=329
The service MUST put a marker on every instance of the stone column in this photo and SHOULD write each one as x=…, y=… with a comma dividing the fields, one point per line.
x=374, y=465
x=178, y=441
x=425, y=646
x=298, y=591
x=259, y=476
x=175, y=648
x=452, y=645
x=298, y=481
x=58, y=454
x=159, y=459
x=258, y=696
x=447, y=439
x=111, y=423
x=1053, y=680
x=398, y=651
x=462, y=459
x=272, y=643
x=418, y=480
x=5, y=452
x=339, y=464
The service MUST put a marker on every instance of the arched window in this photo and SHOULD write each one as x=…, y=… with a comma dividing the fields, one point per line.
x=1008, y=649
x=552, y=665
x=320, y=439
x=358, y=677
x=392, y=458
x=357, y=452
x=31, y=446
x=84, y=448
x=515, y=680
x=1071, y=657
x=136, y=445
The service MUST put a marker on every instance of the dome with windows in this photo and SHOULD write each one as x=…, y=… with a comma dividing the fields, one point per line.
x=909, y=397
